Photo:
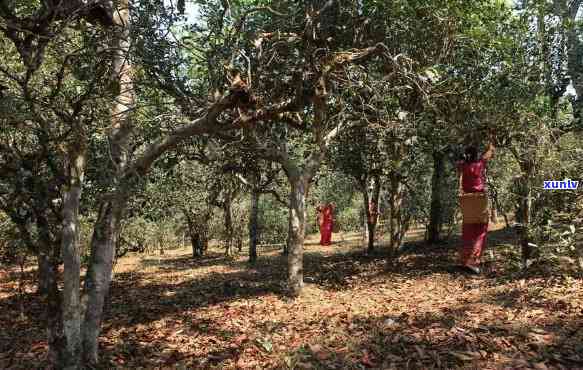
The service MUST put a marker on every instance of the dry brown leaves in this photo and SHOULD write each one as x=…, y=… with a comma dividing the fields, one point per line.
x=216, y=312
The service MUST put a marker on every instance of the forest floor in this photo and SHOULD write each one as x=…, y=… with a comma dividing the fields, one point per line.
x=356, y=312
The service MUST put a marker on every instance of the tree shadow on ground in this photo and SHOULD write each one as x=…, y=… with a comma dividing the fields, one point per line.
x=22, y=337
x=186, y=262
x=420, y=258
x=447, y=339
x=267, y=276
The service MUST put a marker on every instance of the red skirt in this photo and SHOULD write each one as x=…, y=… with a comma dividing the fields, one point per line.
x=473, y=243
x=326, y=234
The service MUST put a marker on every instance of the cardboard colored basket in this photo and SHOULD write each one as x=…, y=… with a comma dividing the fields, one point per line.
x=474, y=208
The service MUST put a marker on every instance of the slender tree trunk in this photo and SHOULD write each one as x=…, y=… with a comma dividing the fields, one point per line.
x=376, y=192
x=575, y=67
x=198, y=231
x=253, y=220
x=367, y=218
x=364, y=226
x=107, y=225
x=196, y=241
x=371, y=216
x=197, y=244
x=526, y=208
x=436, y=212
x=287, y=244
x=98, y=278
x=64, y=311
x=371, y=235
x=297, y=234
x=194, y=235
x=71, y=309
x=204, y=231
x=399, y=222
x=299, y=186
x=524, y=211
x=44, y=272
x=57, y=341
x=392, y=217
x=228, y=214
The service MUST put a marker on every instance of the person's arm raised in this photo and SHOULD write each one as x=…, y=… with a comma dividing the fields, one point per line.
x=461, y=188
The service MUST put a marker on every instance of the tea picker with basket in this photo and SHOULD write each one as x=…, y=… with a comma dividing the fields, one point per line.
x=474, y=206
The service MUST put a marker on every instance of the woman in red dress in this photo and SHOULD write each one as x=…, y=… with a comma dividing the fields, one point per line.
x=326, y=223
x=472, y=179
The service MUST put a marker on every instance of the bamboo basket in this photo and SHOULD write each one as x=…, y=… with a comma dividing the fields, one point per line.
x=474, y=208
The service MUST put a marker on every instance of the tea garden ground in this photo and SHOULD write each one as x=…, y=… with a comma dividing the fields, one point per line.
x=357, y=311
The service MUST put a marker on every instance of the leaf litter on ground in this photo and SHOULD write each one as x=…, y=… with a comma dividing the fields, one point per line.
x=354, y=313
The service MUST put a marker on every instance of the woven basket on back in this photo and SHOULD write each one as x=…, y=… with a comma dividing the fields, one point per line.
x=474, y=208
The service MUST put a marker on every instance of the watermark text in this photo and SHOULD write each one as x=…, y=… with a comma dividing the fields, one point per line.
x=566, y=184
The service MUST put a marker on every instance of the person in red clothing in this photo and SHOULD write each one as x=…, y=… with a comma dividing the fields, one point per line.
x=472, y=186
x=326, y=222
x=320, y=219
